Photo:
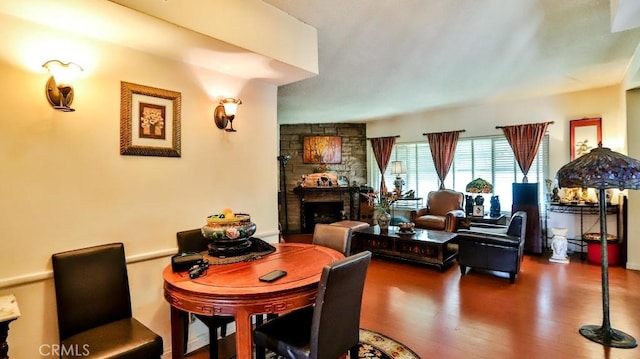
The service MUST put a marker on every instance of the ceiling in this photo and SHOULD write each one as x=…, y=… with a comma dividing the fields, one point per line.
x=379, y=59
x=382, y=59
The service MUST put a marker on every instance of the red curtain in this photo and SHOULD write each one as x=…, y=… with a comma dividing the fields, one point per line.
x=525, y=140
x=443, y=148
x=382, y=147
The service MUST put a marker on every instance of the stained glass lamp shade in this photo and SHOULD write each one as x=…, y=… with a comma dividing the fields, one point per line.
x=603, y=169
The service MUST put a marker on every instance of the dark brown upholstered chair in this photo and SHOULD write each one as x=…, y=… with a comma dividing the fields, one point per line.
x=94, y=305
x=334, y=237
x=493, y=247
x=443, y=211
x=331, y=326
x=193, y=241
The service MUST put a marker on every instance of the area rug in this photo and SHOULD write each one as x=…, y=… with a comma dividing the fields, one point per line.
x=374, y=345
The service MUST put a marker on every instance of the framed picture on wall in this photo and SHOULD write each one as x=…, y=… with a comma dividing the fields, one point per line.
x=585, y=134
x=322, y=149
x=149, y=121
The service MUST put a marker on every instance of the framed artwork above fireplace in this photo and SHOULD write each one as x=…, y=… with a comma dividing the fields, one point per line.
x=322, y=149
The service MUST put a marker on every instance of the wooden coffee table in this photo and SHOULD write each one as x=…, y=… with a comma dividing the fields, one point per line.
x=425, y=246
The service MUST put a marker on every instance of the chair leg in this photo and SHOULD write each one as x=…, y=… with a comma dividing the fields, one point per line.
x=213, y=343
x=463, y=269
x=353, y=352
x=512, y=278
x=261, y=352
x=185, y=330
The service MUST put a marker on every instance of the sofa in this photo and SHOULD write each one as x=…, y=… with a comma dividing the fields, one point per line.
x=493, y=247
x=443, y=212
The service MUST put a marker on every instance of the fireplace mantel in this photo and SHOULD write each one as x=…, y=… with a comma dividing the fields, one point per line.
x=349, y=195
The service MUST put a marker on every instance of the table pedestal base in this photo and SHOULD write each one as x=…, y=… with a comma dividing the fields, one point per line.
x=611, y=338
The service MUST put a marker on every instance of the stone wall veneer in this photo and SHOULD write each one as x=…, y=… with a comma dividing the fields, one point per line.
x=353, y=166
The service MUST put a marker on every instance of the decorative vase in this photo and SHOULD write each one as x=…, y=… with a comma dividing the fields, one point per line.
x=384, y=219
x=559, y=245
x=468, y=207
x=494, y=211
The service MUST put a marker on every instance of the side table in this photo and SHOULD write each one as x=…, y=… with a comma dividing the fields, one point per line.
x=9, y=312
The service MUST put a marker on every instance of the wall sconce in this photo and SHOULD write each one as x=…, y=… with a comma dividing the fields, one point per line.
x=226, y=112
x=59, y=89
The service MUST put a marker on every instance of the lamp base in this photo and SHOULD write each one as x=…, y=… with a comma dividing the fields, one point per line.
x=608, y=337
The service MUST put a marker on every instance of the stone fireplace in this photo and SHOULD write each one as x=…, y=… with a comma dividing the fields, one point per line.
x=322, y=212
x=353, y=167
x=325, y=205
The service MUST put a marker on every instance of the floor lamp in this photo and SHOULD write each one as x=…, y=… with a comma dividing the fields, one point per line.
x=603, y=169
x=283, y=162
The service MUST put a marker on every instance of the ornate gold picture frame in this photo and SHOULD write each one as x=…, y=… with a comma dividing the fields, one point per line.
x=149, y=121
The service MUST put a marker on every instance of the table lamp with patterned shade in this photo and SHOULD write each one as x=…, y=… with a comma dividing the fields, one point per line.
x=603, y=169
x=398, y=168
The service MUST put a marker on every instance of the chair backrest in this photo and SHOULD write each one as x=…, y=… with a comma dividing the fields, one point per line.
x=92, y=288
x=335, y=237
x=192, y=241
x=445, y=200
x=518, y=224
x=336, y=317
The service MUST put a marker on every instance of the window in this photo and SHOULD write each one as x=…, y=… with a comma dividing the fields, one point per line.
x=490, y=158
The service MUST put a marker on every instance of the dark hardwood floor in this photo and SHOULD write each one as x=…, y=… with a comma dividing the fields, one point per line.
x=481, y=315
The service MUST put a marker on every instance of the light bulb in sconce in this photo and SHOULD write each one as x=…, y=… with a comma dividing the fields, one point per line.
x=59, y=87
x=225, y=113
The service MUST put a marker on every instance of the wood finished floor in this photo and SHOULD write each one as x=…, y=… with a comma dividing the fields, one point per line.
x=481, y=315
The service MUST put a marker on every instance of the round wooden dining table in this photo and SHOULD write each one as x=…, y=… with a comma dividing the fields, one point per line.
x=235, y=290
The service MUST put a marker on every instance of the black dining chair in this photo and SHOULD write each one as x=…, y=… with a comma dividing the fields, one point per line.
x=334, y=237
x=331, y=326
x=94, y=306
x=193, y=241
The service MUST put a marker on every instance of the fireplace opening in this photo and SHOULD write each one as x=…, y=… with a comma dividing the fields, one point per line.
x=322, y=212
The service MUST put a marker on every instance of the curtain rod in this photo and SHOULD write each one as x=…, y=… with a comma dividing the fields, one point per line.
x=424, y=134
x=550, y=123
x=371, y=138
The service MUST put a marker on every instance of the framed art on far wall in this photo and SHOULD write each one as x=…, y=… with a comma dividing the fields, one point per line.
x=322, y=149
x=585, y=134
x=149, y=121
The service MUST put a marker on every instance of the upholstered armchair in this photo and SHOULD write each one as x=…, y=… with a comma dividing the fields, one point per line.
x=493, y=247
x=443, y=211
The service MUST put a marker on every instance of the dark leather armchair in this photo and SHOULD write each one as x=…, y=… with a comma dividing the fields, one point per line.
x=94, y=306
x=443, y=211
x=493, y=247
x=193, y=241
x=331, y=326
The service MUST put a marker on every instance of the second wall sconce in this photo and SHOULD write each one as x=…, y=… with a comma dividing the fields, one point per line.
x=59, y=88
x=225, y=113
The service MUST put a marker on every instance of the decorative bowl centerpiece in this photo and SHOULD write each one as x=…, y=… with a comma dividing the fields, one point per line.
x=229, y=233
x=407, y=227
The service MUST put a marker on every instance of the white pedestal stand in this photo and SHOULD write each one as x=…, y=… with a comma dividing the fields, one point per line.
x=559, y=245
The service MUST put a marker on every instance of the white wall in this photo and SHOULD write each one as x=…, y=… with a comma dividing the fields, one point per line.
x=481, y=120
x=64, y=184
x=633, y=129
